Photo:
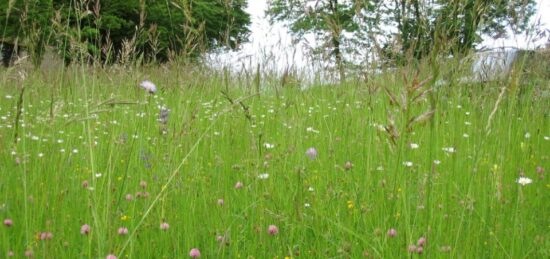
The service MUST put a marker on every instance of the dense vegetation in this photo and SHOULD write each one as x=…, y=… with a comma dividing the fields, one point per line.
x=132, y=151
x=111, y=30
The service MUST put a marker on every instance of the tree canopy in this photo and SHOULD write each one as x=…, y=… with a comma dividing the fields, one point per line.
x=110, y=29
x=405, y=28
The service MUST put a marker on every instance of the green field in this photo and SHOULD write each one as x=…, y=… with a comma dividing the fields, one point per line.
x=87, y=147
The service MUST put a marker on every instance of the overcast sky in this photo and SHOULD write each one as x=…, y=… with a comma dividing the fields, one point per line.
x=275, y=44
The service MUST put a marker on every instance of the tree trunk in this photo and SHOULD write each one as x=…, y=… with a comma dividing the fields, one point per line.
x=7, y=53
x=335, y=37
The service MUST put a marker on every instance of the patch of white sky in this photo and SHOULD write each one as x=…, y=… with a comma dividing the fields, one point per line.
x=274, y=48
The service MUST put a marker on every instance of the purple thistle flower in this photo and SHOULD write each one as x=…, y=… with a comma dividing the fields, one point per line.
x=148, y=86
x=311, y=153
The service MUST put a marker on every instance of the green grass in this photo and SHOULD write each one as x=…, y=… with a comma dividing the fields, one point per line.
x=467, y=206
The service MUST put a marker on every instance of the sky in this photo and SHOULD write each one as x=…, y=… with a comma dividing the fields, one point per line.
x=272, y=44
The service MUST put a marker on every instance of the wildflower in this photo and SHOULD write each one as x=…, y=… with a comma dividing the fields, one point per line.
x=143, y=184
x=307, y=205
x=28, y=253
x=310, y=129
x=85, y=184
x=124, y=218
x=8, y=222
x=311, y=153
x=164, y=226
x=263, y=176
x=239, y=185
x=195, y=253
x=419, y=250
x=129, y=197
x=220, y=202
x=421, y=241
x=437, y=162
x=110, y=256
x=148, y=86
x=85, y=229
x=392, y=232
x=269, y=146
x=46, y=235
x=272, y=230
x=524, y=181
x=411, y=248
x=527, y=135
x=408, y=163
x=348, y=165
x=414, y=146
x=122, y=231
x=449, y=149
x=350, y=205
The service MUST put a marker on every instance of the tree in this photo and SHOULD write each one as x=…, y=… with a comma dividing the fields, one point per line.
x=340, y=24
x=154, y=30
x=24, y=24
x=455, y=26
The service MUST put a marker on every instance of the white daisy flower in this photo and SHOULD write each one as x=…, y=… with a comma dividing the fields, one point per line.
x=524, y=181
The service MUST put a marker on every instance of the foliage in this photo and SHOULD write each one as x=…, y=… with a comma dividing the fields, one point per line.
x=454, y=26
x=342, y=25
x=110, y=29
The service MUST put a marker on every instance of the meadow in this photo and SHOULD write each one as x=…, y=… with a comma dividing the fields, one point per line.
x=94, y=166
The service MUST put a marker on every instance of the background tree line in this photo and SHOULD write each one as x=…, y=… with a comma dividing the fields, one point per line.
x=113, y=30
x=386, y=31
x=397, y=31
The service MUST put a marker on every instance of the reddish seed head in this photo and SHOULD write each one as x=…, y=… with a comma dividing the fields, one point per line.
x=164, y=226
x=540, y=170
x=348, y=165
x=111, y=256
x=411, y=249
x=28, y=253
x=195, y=253
x=272, y=230
x=46, y=235
x=143, y=184
x=8, y=222
x=421, y=241
x=239, y=185
x=219, y=238
x=129, y=197
x=122, y=231
x=419, y=250
x=85, y=184
x=85, y=229
x=392, y=232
